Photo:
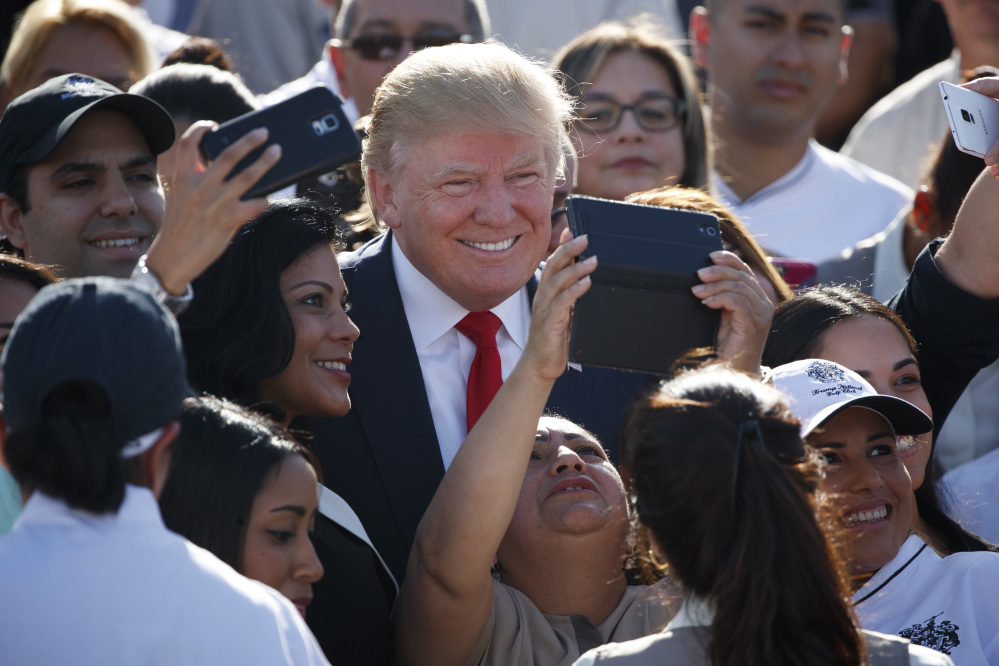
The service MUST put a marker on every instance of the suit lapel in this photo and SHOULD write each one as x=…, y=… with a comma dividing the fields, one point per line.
x=389, y=395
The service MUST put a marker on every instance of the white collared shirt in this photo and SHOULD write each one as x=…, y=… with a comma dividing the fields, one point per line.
x=80, y=588
x=823, y=205
x=445, y=355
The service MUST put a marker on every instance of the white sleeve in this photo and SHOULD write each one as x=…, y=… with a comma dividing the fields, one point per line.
x=587, y=659
x=924, y=656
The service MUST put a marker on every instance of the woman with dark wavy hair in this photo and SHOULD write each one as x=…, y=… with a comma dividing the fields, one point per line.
x=724, y=489
x=269, y=322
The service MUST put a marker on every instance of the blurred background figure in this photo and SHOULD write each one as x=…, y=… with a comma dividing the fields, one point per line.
x=640, y=123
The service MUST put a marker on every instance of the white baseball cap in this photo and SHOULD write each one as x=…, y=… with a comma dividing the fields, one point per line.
x=819, y=389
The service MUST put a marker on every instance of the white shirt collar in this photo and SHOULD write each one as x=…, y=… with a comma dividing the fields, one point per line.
x=432, y=313
x=138, y=506
x=790, y=178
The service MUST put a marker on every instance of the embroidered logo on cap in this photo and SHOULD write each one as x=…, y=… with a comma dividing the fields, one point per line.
x=82, y=85
x=827, y=373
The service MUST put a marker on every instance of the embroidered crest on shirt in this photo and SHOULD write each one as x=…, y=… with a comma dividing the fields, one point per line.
x=941, y=636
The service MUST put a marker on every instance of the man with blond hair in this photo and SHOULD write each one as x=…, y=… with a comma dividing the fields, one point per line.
x=463, y=154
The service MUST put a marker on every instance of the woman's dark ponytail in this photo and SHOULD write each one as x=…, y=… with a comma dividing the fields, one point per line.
x=70, y=455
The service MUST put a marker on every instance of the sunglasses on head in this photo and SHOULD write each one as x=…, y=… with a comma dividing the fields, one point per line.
x=386, y=46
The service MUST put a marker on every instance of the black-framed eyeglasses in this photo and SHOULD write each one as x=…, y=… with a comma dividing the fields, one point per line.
x=386, y=46
x=653, y=113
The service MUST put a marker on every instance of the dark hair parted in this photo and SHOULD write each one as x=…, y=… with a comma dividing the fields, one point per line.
x=70, y=454
x=237, y=330
x=731, y=507
x=800, y=322
x=191, y=92
x=580, y=60
x=219, y=463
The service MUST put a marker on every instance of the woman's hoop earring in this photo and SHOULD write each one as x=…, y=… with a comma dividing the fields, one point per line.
x=661, y=566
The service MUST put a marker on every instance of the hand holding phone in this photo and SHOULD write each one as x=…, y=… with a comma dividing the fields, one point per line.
x=973, y=118
x=311, y=128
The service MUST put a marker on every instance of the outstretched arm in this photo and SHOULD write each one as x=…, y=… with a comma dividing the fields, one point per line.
x=447, y=596
x=968, y=256
x=203, y=210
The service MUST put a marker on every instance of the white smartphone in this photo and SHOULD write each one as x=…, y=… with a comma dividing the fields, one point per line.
x=973, y=118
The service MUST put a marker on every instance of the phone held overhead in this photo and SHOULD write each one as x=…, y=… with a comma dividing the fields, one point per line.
x=311, y=128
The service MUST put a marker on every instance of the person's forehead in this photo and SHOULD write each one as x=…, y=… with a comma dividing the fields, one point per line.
x=831, y=10
x=859, y=421
x=550, y=425
x=98, y=134
x=406, y=15
x=88, y=49
x=458, y=152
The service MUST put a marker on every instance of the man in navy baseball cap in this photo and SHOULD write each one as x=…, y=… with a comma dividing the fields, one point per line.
x=79, y=188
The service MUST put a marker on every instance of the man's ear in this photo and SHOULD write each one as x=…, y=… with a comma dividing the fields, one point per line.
x=157, y=459
x=845, y=40
x=340, y=67
x=700, y=31
x=12, y=221
x=383, y=194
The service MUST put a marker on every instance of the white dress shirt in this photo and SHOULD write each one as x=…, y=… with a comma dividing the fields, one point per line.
x=445, y=355
x=80, y=588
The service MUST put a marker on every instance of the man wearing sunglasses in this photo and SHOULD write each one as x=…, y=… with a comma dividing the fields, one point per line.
x=772, y=67
x=371, y=37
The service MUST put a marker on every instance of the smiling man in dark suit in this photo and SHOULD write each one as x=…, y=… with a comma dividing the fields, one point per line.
x=463, y=155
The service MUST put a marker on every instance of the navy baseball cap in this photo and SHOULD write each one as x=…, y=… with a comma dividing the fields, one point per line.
x=105, y=330
x=35, y=123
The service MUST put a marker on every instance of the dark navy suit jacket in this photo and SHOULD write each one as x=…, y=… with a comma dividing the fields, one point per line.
x=383, y=457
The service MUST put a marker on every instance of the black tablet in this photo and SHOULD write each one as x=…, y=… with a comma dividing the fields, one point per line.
x=639, y=313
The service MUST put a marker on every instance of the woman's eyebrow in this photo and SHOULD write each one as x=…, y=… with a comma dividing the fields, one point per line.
x=294, y=508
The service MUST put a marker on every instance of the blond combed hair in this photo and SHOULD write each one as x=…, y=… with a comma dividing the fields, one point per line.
x=43, y=18
x=466, y=88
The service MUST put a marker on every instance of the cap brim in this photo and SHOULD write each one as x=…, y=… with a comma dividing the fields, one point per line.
x=152, y=120
x=904, y=417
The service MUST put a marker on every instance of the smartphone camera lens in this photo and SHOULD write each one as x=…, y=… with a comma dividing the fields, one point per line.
x=712, y=231
x=968, y=118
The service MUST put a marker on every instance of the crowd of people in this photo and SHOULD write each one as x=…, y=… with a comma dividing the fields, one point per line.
x=339, y=424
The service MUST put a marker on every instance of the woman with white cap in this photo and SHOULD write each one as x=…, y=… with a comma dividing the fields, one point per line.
x=901, y=586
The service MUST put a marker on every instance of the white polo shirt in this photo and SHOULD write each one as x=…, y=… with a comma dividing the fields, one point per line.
x=79, y=588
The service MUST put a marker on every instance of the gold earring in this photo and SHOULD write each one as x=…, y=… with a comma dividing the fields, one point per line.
x=661, y=566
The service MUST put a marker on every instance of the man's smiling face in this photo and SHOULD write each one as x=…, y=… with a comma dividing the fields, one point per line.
x=472, y=212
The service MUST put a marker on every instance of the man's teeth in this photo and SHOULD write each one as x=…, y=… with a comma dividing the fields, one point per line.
x=117, y=242
x=332, y=365
x=492, y=247
x=861, y=517
x=575, y=488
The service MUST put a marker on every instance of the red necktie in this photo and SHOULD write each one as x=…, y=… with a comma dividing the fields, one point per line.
x=485, y=377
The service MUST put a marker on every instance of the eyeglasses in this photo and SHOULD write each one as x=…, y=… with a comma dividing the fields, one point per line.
x=387, y=46
x=653, y=113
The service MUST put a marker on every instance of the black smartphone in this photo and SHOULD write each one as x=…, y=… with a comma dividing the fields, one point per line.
x=639, y=313
x=312, y=129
